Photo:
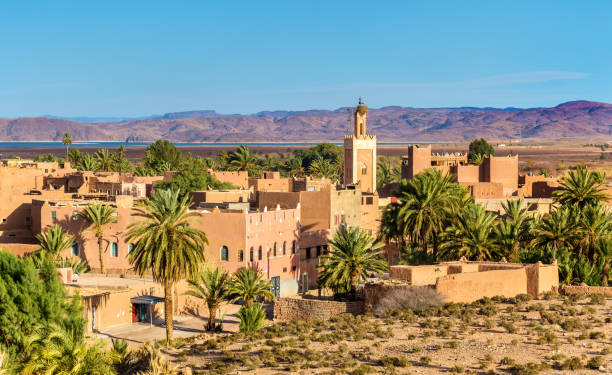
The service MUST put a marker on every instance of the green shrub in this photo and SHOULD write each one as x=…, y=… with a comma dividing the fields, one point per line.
x=595, y=335
x=425, y=360
x=388, y=361
x=595, y=362
x=573, y=363
x=251, y=318
x=597, y=299
x=456, y=369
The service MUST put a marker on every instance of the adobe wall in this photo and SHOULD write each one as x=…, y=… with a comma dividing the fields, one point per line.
x=370, y=214
x=345, y=208
x=418, y=275
x=469, y=287
x=485, y=190
x=527, y=182
x=219, y=196
x=468, y=174
x=271, y=184
x=240, y=179
x=373, y=292
x=586, y=290
x=286, y=309
x=310, y=184
x=365, y=163
x=419, y=159
x=501, y=169
x=543, y=189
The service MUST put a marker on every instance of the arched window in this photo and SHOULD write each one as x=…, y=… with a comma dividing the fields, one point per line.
x=75, y=248
x=224, y=253
x=274, y=253
x=293, y=247
x=251, y=255
x=114, y=249
x=260, y=253
x=284, y=247
x=240, y=255
x=364, y=169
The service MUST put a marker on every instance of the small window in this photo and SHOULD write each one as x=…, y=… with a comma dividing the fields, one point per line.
x=240, y=255
x=293, y=268
x=284, y=269
x=75, y=248
x=284, y=247
x=130, y=248
x=274, y=253
x=293, y=247
x=260, y=253
x=4, y=220
x=28, y=219
x=251, y=255
x=224, y=253
x=114, y=250
x=369, y=200
x=318, y=251
x=307, y=253
x=53, y=215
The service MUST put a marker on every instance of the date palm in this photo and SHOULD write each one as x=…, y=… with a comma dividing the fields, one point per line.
x=249, y=284
x=556, y=229
x=243, y=160
x=104, y=160
x=514, y=229
x=61, y=351
x=383, y=173
x=166, y=243
x=323, y=168
x=54, y=241
x=211, y=286
x=353, y=256
x=99, y=215
x=87, y=162
x=67, y=141
x=594, y=226
x=470, y=235
x=295, y=166
x=580, y=188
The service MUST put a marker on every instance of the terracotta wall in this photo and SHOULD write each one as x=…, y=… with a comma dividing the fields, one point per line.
x=419, y=159
x=501, y=169
x=418, y=275
x=468, y=174
x=485, y=190
x=370, y=213
x=219, y=196
x=271, y=184
x=468, y=287
x=240, y=179
x=543, y=189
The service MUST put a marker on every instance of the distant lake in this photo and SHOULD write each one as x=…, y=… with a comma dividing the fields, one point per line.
x=179, y=144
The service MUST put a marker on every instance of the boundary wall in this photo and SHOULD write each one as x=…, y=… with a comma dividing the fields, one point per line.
x=303, y=308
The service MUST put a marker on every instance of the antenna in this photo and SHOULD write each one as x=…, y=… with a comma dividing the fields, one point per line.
x=348, y=119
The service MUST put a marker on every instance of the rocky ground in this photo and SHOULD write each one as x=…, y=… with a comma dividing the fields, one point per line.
x=491, y=336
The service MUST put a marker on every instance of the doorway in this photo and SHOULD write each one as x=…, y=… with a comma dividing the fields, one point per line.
x=275, y=281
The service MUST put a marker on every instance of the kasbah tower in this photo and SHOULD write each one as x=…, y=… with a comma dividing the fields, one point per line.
x=360, y=153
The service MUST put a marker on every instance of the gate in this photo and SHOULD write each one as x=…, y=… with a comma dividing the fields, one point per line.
x=275, y=281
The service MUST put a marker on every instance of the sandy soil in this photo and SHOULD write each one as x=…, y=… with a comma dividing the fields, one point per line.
x=493, y=338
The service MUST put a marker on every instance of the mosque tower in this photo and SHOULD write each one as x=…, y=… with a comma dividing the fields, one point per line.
x=360, y=153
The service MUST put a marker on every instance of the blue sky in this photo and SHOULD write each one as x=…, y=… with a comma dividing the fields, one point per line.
x=130, y=58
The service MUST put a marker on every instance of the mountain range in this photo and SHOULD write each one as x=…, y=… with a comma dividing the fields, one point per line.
x=577, y=119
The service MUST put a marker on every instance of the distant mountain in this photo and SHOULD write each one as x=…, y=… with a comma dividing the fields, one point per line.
x=579, y=119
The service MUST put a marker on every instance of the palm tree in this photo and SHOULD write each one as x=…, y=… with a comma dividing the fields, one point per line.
x=594, y=226
x=514, y=228
x=166, y=243
x=249, y=284
x=54, y=241
x=104, y=160
x=556, y=230
x=74, y=156
x=269, y=163
x=99, y=215
x=243, y=160
x=87, y=162
x=67, y=141
x=580, y=188
x=353, y=256
x=212, y=286
x=61, y=351
x=426, y=202
x=470, y=235
x=477, y=159
x=323, y=168
x=383, y=173
x=251, y=318
x=295, y=167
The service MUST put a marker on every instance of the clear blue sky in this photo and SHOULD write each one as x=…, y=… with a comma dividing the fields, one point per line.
x=129, y=58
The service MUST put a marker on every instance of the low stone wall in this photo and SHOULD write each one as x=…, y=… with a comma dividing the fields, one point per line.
x=300, y=308
x=577, y=289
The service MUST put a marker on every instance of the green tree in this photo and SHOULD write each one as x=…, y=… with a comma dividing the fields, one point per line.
x=251, y=318
x=243, y=160
x=74, y=156
x=514, y=230
x=30, y=298
x=479, y=147
x=211, y=286
x=54, y=241
x=99, y=215
x=249, y=284
x=192, y=175
x=166, y=243
x=67, y=141
x=87, y=162
x=104, y=161
x=59, y=351
x=594, y=226
x=162, y=151
x=581, y=187
x=323, y=168
x=295, y=167
x=470, y=235
x=556, y=230
x=326, y=151
x=383, y=173
x=353, y=256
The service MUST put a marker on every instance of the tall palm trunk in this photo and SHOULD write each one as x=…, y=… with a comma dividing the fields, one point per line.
x=101, y=252
x=212, y=317
x=354, y=285
x=606, y=272
x=168, y=306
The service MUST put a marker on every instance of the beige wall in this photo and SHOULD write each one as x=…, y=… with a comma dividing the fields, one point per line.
x=240, y=179
x=468, y=287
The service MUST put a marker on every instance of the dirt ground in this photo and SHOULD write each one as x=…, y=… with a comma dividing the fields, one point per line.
x=560, y=335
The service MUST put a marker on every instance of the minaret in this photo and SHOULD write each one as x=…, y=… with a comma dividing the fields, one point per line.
x=360, y=153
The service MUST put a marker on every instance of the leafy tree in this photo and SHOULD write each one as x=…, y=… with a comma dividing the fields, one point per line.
x=477, y=159
x=161, y=152
x=243, y=160
x=295, y=167
x=556, y=230
x=249, y=284
x=514, y=229
x=581, y=188
x=166, y=243
x=269, y=163
x=54, y=241
x=30, y=298
x=479, y=147
x=87, y=162
x=104, y=160
x=326, y=151
x=251, y=318
x=594, y=226
x=58, y=351
x=74, y=156
x=99, y=215
x=470, y=235
x=193, y=175
x=323, y=168
x=67, y=141
x=212, y=286
x=353, y=256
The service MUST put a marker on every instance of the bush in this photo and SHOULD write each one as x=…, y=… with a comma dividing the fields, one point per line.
x=573, y=363
x=417, y=298
x=598, y=299
x=251, y=318
x=595, y=362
